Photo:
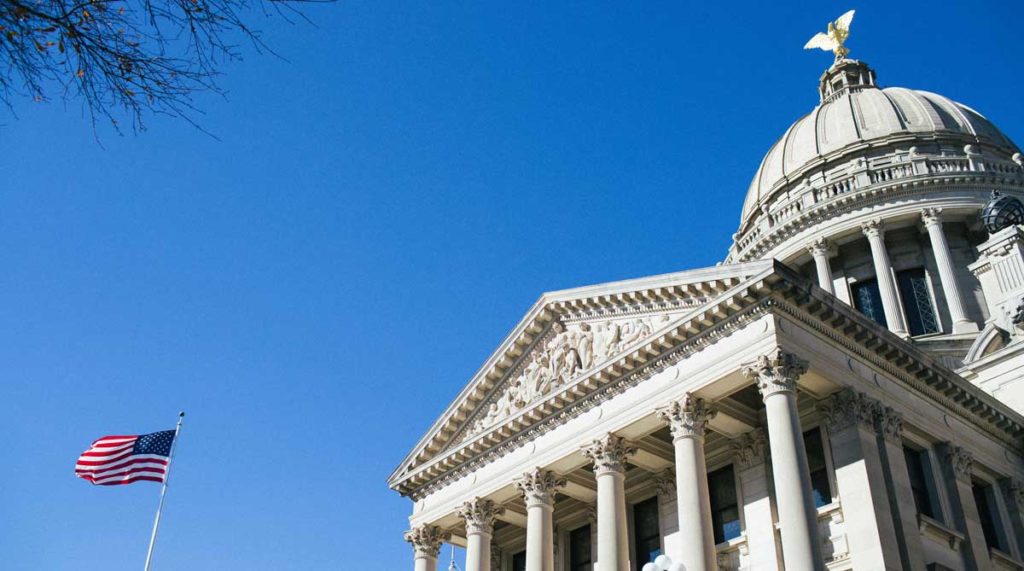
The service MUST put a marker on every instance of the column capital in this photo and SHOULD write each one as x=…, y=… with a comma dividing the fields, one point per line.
x=889, y=424
x=750, y=449
x=666, y=482
x=962, y=462
x=609, y=453
x=931, y=217
x=820, y=247
x=1013, y=491
x=687, y=417
x=426, y=540
x=538, y=487
x=479, y=515
x=873, y=228
x=848, y=408
x=776, y=372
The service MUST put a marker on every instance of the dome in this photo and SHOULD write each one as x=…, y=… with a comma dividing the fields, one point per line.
x=858, y=123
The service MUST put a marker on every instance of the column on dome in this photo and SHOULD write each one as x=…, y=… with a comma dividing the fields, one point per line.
x=426, y=543
x=932, y=218
x=889, y=426
x=538, y=488
x=609, y=457
x=751, y=453
x=957, y=469
x=875, y=234
x=776, y=375
x=687, y=419
x=819, y=250
x=860, y=480
x=479, y=514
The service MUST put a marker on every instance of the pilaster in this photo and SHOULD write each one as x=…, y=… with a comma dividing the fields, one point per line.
x=851, y=418
x=957, y=470
x=751, y=453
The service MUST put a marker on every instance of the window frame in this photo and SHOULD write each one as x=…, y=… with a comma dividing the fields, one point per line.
x=930, y=292
x=826, y=445
x=631, y=522
x=931, y=481
x=739, y=497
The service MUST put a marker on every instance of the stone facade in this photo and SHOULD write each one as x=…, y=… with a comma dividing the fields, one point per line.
x=843, y=393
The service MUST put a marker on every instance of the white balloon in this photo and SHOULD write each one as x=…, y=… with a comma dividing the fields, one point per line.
x=663, y=561
x=650, y=567
x=677, y=567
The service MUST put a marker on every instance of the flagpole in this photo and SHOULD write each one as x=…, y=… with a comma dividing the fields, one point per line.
x=163, y=491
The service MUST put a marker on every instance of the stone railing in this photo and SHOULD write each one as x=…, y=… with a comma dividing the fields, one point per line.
x=805, y=196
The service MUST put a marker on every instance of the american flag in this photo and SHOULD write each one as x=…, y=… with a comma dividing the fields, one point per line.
x=116, y=460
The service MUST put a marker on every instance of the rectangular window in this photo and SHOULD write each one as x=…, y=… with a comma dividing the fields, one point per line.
x=646, y=531
x=917, y=302
x=579, y=549
x=519, y=561
x=919, y=470
x=868, y=300
x=725, y=512
x=984, y=498
x=821, y=488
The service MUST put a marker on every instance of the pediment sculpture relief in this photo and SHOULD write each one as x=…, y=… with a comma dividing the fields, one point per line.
x=561, y=357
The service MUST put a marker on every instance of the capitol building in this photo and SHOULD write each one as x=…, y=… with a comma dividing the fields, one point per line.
x=843, y=391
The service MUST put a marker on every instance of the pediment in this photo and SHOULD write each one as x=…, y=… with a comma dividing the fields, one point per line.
x=565, y=336
x=564, y=353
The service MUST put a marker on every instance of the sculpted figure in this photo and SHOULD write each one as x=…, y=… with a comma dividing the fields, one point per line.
x=585, y=346
x=633, y=331
x=606, y=339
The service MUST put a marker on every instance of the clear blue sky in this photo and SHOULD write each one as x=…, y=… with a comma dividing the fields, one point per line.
x=316, y=286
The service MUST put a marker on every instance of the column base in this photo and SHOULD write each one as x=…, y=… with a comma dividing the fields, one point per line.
x=965, y=327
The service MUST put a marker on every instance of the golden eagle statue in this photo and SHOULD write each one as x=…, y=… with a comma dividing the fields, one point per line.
x=832, y=40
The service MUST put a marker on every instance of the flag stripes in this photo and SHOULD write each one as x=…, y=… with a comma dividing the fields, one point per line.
x=118, y=460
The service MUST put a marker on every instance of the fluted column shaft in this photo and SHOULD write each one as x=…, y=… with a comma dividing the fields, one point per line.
x=947, y=274
x=609, y=457
x=883, y=274
x=538, y=489
x=426, y=542
x=687, y=420
x=819, y=250
x=479, y=516
x=776, y=376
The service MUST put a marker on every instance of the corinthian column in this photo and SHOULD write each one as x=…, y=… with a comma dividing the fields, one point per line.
x=426, y=543
x=479, y=517
x=883, y=273
x=538, y=489
x=819, y=251
x=776, y=375
x=609, y=457
x=687, y=419
x=947, y=274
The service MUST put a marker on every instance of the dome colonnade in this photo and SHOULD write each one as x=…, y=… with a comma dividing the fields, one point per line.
x=876, y=194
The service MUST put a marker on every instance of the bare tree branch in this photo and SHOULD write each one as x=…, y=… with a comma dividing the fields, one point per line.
x=125, y=59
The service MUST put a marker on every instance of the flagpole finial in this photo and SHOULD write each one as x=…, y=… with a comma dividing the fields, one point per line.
x=181, y=414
